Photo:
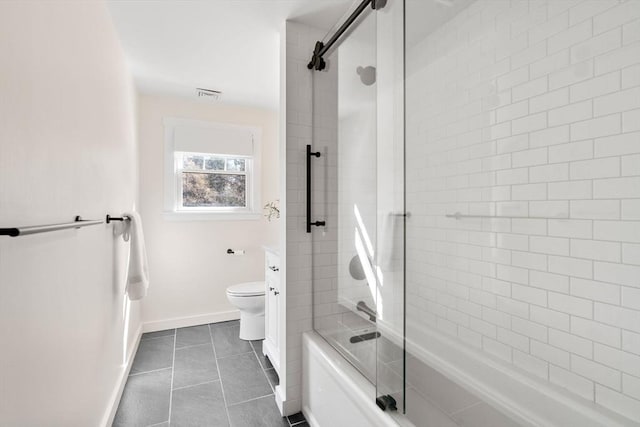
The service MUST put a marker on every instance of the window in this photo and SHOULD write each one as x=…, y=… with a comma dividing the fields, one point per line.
x=210, y=170
x=211, y=181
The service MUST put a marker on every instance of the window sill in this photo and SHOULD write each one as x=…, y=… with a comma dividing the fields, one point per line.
x=211, y=216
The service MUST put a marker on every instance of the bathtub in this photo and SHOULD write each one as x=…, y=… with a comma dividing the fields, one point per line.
x=463, y=388
x=334, y=393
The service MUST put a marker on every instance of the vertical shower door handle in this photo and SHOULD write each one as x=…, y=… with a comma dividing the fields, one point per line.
x=309, y=223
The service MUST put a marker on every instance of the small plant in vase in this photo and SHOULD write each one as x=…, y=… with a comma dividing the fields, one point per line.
x=272, y=211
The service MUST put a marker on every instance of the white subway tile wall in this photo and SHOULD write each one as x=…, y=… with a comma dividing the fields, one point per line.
x=299, y=39
x=530, y=110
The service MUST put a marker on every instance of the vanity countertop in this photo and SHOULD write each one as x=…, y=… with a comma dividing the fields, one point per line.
x=273, y=249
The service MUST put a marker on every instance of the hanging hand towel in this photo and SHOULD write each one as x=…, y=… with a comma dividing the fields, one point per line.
x=138, y=273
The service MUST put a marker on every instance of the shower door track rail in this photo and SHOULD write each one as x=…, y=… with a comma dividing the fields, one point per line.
x=317, y=61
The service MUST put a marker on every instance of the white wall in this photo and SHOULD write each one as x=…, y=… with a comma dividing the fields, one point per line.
x=188, y=262
x=529, y=109
x=67, y=148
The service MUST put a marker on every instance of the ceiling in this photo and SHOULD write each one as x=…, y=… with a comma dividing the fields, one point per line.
x=175, y=46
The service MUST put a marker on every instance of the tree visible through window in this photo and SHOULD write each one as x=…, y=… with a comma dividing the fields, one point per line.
x=210, y=181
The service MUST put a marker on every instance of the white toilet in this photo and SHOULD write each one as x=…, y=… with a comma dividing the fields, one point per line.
x=249, y=299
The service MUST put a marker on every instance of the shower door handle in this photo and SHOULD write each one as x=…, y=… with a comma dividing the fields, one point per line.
x=309, y=223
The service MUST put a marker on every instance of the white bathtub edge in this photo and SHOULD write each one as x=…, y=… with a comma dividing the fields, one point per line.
x=347, y=383
x=526, y=399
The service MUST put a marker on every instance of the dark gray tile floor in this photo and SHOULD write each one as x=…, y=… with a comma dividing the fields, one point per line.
x=201, y=376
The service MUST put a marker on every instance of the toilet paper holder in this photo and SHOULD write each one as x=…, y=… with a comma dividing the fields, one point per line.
x=235, y=251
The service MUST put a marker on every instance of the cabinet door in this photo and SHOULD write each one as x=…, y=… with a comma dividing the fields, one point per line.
x=268, y=310
x=272, y=315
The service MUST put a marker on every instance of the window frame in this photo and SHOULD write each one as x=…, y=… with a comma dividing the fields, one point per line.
x=247, y=173
x=173, y=208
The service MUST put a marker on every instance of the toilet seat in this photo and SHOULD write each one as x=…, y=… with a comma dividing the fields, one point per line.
x=249, y=289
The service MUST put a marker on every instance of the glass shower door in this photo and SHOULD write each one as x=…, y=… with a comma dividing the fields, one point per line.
x=357, y=298
x=523, y=184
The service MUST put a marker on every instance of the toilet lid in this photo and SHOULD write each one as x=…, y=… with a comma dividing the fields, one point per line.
x=249, y=289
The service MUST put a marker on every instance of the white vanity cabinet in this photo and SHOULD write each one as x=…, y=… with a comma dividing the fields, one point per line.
x=271, y=345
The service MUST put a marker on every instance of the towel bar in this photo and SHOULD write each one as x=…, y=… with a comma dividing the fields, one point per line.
x=77, y=223
x=115, y=218
x=23, y=231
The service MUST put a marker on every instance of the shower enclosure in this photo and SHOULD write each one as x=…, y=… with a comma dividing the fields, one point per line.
x=357, y=255
x=477, y=170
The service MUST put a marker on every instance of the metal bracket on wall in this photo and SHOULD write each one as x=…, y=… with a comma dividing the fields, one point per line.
x=309, y=223
x=317, y=61
x=386, y=402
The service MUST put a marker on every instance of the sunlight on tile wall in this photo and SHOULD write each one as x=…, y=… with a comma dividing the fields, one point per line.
x=530, y=111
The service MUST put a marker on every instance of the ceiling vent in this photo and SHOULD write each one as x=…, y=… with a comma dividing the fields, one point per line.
x=212, y=95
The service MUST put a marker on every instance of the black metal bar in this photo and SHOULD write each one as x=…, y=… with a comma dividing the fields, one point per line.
x=12, y=231
x=308, y=188
x=364, y=337
x=317, y=62
x=386, y=402
x=309, y=223
x=114, y=218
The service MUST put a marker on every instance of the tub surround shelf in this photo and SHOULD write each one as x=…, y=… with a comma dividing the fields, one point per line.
x=459, y=215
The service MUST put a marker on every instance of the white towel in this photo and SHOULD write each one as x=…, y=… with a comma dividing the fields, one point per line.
x=138, y=272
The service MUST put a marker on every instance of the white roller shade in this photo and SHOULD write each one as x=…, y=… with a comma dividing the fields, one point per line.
x=208, y=139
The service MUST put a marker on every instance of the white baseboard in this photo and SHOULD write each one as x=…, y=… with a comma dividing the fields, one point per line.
x=122, y=381
x=182, y=322
x=308, y=415
x=292, y=406
x=279, y=400
x=286, y=407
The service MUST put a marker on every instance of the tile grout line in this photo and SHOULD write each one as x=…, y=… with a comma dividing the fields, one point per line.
x=224, y=398
x=252, y=399
x=252, y=349
x=173, y=365
x=155, y=338
x=258, y=357
x=195, y=385
x=235, y=355
x=193, y=345
x=149, y=372
x=273, y=386
x=273, y=389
